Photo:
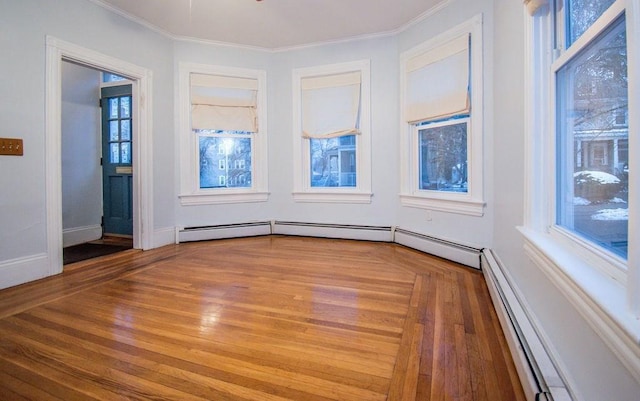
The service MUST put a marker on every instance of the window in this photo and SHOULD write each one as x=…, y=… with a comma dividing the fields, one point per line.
x=443, y=155
x=441, y=128
x=223, y=135
x=332, y=138
x=592, y=201
x=580, y=199
x=109, y=77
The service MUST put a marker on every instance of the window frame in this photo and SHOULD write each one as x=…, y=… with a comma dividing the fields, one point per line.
x=466, y=203
x=302, y=189
x=602, y=286
x=190, y=191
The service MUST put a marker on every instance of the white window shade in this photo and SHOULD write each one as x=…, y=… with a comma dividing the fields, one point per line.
x=224, y=103
x=438, y=82
x=331, y=105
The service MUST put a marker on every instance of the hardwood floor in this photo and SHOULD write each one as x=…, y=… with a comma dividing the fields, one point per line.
x=266, y=318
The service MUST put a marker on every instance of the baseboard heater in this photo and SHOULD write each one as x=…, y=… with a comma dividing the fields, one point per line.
x=343, y=231
x=221, y=231
x=539, y=377
x=463, y=254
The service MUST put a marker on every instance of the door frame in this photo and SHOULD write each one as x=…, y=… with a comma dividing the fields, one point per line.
x=57, y=52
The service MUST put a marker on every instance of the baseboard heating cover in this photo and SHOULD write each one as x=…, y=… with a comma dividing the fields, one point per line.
x=539, y=377
x=464, y=254
x=221, y=231
x=343, y=231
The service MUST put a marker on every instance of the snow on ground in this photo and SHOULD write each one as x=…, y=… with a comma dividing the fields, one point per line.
x=578, y=201
x=617, y=200
x=611, y=214
x=600, y=176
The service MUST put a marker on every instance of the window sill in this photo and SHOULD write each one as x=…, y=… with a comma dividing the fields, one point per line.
x=460, y=206
x=598, y=297
x=223, y=197
x=332, y=197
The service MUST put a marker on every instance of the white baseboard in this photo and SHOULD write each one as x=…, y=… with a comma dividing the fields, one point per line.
x=342, y=231
x=187, y=234
x=463, y=254
x=164, y=236
x=80, y=235
x=538, y=373
x=18, y=271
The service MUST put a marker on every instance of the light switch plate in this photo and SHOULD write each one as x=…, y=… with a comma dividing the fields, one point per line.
x=11, y=147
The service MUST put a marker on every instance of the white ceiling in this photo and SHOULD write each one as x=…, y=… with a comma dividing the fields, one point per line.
x=274, y=24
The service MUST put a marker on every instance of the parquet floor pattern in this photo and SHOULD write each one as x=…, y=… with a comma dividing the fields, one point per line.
x=267, y=318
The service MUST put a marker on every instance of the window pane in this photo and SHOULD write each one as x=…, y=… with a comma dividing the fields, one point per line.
x=125, y=107
x=443, y=157
x=108, y=77
x=113, y=131
x=225, y=162
x=125, y=130
x=333, y=162
x=582, y=14
x=125, y=149
x=593, y=142
x=113, y=108
x=115, y=152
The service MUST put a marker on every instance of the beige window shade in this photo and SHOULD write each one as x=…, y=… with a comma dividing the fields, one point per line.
x=438, y=82
x=224, y=103
x=534, y=5
x=331, y=105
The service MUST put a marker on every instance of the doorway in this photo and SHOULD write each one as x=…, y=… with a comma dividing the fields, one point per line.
x=59, y=51
x=97, y=174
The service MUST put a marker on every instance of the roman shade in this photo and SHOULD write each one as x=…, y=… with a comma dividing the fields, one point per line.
x=224, y=103
x=534, y=5
x=437, y=83
x=331, y=105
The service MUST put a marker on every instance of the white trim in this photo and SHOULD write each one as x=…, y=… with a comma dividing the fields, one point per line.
x=466, y=254
x=525, y=335
x=472, y=202
x=428, y=13
x=190, y=192
x=57, y=51
x=332, y=197
x=80, y=235
x=302, y=190
x=23, y=270
x=600, y=300
x=164, y=236
x=462, y=205
x=633, y=58
x=330, y=230
x=221, y=198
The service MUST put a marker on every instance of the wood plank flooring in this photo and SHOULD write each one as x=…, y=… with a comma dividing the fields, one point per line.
x=267, y=318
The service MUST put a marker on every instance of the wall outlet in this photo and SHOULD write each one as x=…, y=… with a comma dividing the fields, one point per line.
x=428, y=215
x=11, y=147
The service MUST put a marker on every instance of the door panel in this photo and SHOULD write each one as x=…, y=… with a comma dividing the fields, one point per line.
x=117, y=174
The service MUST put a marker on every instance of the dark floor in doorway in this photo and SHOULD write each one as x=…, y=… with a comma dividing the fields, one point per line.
x=77, y=253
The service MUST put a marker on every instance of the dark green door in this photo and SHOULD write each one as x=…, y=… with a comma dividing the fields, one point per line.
x=117, y=172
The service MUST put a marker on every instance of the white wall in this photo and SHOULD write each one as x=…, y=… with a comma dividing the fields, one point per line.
x=593, y=372
x=81, y=170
